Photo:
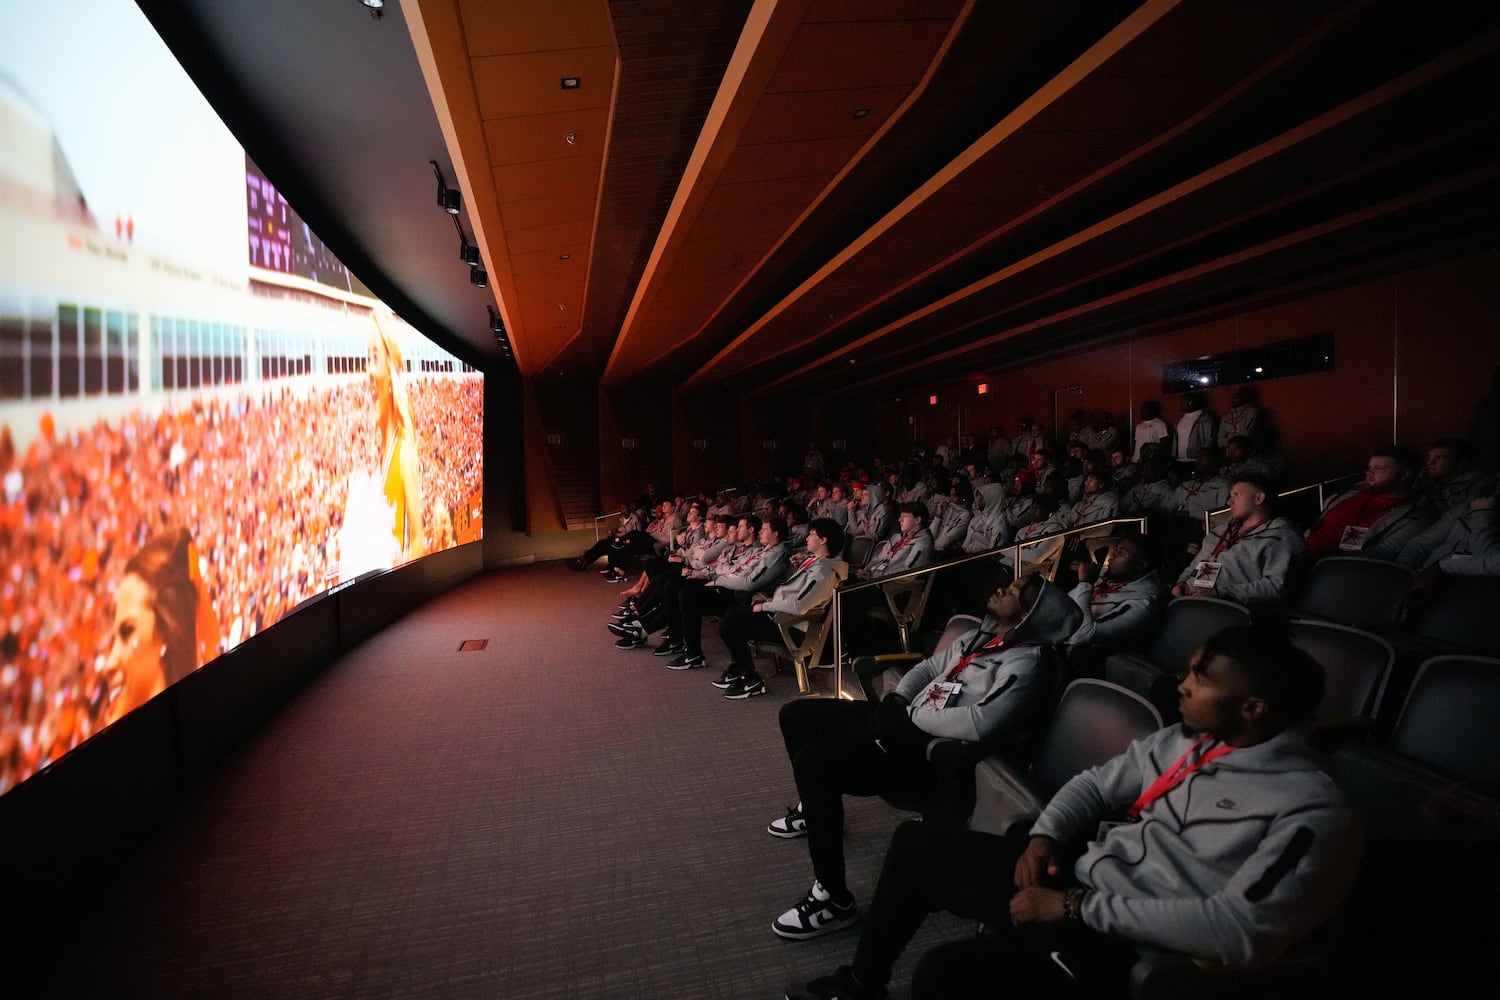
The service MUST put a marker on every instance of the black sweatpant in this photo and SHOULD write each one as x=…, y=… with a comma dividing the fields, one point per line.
x=931, y=867
x=833, y=754
x=739, y=627
x=697, y=599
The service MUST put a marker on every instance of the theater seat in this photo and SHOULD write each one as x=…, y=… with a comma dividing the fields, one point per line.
x=878, y=675
x=1463, y=614
x=1188, y=624
x=1430, y=802
x=1351, y=590
x=1356, y=668
x=1094, y=722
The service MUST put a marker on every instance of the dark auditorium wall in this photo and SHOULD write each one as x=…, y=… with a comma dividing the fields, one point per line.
x=706, y=442
x=1414, y=352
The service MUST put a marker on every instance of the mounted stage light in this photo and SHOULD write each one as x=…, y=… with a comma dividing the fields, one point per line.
x=478, y=277
x=449, y=199
x=497, y=325
x=466, y=253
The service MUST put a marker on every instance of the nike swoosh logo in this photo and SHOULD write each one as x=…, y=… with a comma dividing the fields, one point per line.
x=1056, y=957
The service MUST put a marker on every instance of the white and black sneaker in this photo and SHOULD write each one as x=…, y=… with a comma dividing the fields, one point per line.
x=670, y=647
x=687, y=661
x=726, y=679
x=615, y=576
x=817, y=914
x=631, y=626
x=790, y=826
x=631, y=641
x=745, y=687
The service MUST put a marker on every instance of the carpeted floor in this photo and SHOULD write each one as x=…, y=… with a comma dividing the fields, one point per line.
x=548, y=817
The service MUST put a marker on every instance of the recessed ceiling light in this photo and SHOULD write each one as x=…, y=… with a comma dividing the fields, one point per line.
x=564, y=256
x=571, y=83
x=860, y=112
x=570, y=138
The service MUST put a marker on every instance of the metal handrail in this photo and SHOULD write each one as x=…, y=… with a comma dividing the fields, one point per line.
x=837, y=610
x=1208, y=516
x=603, y=517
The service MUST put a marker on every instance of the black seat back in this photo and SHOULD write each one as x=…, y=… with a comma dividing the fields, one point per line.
x=1094, y=722
x=1351, y=590
x=1356, y=665
x=1188, y=624
x=1449, y=719
x=1465, y=612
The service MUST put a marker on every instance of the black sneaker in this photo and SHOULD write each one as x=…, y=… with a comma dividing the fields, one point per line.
x=745, y=687
x=839, y=986
x=727, y=678
x=627, y=628
x=630, y=642
x=671, y=647
x=814, y=915
x=615, y=576
x=687, y=661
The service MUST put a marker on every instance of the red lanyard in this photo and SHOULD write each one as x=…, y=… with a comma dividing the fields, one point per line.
x=806, y=563
x=1175, y=776
x=964, y=661
x=1232, y=537
x=905, y=539
x=1102, y=589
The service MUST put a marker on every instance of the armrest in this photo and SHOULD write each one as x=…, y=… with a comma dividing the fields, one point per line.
x=870, y=666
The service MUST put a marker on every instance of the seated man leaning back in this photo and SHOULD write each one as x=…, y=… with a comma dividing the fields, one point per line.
x=992, y=682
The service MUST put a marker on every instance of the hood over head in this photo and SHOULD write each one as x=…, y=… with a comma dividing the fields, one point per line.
x=1051, y=619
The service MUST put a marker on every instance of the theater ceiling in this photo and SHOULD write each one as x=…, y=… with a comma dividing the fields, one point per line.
x=859, y=195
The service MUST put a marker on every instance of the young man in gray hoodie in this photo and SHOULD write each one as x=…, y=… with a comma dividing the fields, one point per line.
x=992, y=681
x=810, y=583
x=1235, y=845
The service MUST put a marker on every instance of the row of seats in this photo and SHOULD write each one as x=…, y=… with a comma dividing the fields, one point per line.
x=1431, y=783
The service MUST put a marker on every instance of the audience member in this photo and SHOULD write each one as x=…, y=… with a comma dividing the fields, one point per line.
x=1195, y=431
x=910, y=548
x=1254, y=556
x=1180, y=876
x=1450, y=480
x=990, y=682
x=1121, y=599
x=1152, y=435
x=810, y=584
x=1243, y=418
x=1378, y=518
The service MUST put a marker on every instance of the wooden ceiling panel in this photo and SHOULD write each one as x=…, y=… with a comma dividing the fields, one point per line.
x=566, y=180
x=767, y=160
x=531, y=83
x=789, y=194
x=1031, y=195
x=548, y=262
x=879, y=10
x=545, y=137
x=540, y=213
x=858, y=55
x=570, y=238
x=493, y=29
x=789, y=117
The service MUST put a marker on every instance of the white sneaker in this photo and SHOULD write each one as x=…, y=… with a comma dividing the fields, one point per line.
x=814, y=916
x=790, y=826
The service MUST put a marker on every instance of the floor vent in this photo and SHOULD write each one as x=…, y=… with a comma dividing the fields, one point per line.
x=472, y=645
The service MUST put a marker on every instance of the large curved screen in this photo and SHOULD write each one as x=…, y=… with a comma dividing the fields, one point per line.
x=205, y=419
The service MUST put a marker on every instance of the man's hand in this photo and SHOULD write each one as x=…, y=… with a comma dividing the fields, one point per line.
x=757, y=607
x=1088, y=571
x=1179, y=590
x=1035, y=905
x=1037, y=863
